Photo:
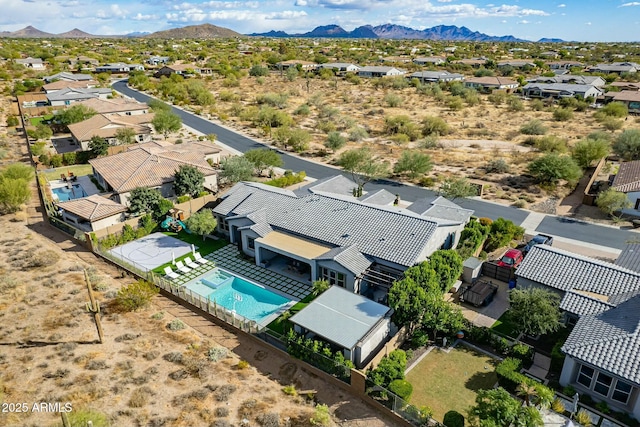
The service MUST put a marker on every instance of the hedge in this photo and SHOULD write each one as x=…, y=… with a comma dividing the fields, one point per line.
x=453, y=419
x=510, y=378
x=402, y=388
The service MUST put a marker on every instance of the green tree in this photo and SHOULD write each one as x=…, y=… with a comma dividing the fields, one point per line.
x=535, y=311
x=447, y=264
x=188, y=180
x=533, y=127
x=551, y=168
x=42, y=131
x=126, y=135
x=157, y=106
x=363, y=166
x=166, y=122
x=440, y=316
x=613, y=109
x=135, y=296
x=202, y=222
x=74, y=114
x=258, y=71
x=148, y=200
x=236, y=168
x=413, y=163
x=335, y=141
x=264, y=158
x=390, y=368
x=14, y=187
x=319, y=286
x=496, y=408
x=457, y=187
x=588, y=150
x=434, y=126
x=98, y=146
x=611, y=201
x=502, y=232
x=409, y=301
x=627, y=145
x=17, y=171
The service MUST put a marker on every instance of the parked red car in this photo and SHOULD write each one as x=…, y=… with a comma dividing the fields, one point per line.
x=511, y=259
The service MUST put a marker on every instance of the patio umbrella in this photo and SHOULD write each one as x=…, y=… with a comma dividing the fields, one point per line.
x=173, y=257
x=193, y=249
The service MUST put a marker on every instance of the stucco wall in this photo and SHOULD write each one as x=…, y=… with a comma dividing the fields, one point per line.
x=373, y=341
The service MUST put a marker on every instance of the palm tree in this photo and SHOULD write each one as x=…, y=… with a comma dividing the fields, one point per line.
x=526, y=391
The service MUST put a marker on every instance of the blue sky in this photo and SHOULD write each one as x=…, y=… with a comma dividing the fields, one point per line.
x=579, y=20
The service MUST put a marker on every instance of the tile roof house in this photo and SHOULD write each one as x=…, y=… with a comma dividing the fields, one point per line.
x=490, y=83
x=560, y=90
x=65, y=84
x=434, y=60
x=436, y=76
x=602, y=357
x=154, y=165
x=564, y=65
x=69, y=95
x=119, y=67
x=107, y=127
x=185, y=70
x=305, y=65
x=116, y=106
x=361, y=245
x=326, y=317
x=571, y=78
x=630, y=98
x=629, y=258
x=29, y=62
x=627, y=181
x=92, y=213
x=586, y=285
x=372, y=71
x=340, y=67
x=615, y=68
x=68, y=77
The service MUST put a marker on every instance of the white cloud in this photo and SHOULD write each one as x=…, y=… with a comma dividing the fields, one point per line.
x=562, y=5
x=587, y=23
x=286, y=14
x=524, y=22
x=633, y=3
x=141, y=17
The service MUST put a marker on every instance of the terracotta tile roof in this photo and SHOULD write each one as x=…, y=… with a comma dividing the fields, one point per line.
x=493, y=81
x=627, y=95
x=628, y=177
x=107, y=126
x=114, y=105
x=63, y=84
x=150, y=165
x=93, y=208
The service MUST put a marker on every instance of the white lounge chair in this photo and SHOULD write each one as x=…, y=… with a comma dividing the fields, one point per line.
x=199, y=258
x=180, y=266
x=170, y=273
x=190, y=263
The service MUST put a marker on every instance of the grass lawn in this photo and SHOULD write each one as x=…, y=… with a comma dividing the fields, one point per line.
x=204, y=247
x=78, y=170
x=35, y=121
x=282, y=324
x=445, y=381
x=505, y=327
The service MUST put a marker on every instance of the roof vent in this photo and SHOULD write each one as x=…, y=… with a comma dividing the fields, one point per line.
x=345, y=235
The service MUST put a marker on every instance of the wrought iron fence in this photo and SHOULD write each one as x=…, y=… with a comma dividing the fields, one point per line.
x=413, y=414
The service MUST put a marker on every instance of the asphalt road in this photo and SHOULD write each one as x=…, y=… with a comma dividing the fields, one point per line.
x=557, y=226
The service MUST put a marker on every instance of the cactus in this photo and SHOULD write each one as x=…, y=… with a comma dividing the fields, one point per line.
x=91, y=309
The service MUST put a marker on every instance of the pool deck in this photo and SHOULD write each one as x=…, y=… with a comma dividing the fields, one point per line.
x=229, y=259
x=84, y=181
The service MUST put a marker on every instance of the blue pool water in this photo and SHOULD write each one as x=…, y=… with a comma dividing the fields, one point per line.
x=64, y=194
x=233, y=293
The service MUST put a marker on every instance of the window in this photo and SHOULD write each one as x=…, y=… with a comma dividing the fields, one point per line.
x=223, y=225
x=585, y=376
x=603, y=384
x=333, y=277
x=622, y=392
x=251, y=243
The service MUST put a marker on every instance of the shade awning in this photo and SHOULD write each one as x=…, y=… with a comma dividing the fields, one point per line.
x=294, y=245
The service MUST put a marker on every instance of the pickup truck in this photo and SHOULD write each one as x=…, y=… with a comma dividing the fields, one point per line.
x=538, y=239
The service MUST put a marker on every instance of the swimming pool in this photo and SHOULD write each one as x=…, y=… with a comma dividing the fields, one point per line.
x=249, y=300
x=65, y=193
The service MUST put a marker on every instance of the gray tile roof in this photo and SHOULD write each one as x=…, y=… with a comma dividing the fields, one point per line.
x=380, y=197
x=609, y=340
x=337, y=184
x=577, y=303
x=628, y=177
x=349, y=257
x=78, y=93
x=630, y=257
x=562, y=87
x=340, y=316
x=570, y=78
x=440, y=209
x=565, y=271
x=392, y=234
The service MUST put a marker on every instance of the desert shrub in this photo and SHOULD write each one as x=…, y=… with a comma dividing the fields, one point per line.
x=392, y=100
x=44, y=258
x=453, y=419
x=176, y=325
x=81, y=417
x=126, y=337
x=551, y=144
x=558, y=406
x=613, y=109
x=401, y=388
x=321, y=416
x=139, y=397
x=533, y=127
x=287, y=179
x=562, y=114
x=136, y=295
x=270, y=419
x=302, y=110
x=225, y=391
x=290, y=390
x=515, y=104
x=497, y=166
x=243, y=364
x=222, y=411
x=216, y=354
x=175, y=357
x=537, y=105
x=501, y=233
x=357, y=134
x=434, y=126
x=96, y=365
x=583, y=418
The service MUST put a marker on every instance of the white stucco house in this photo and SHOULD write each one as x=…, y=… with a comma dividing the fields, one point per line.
x=327, y=316
x=154, y=165
x=372, y=71
x=322, y=231
x=627, y=181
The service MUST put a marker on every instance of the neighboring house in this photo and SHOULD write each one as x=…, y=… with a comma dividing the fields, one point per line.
x=296, y=63
x=443, y=211
x=33, y=100
x=549, y=54
x=560, y=90
x=633, y=86
x=353, y=244
x=564, y=65
x=180, y=69
x=92, y=213
x=65, y=84
x=340, y=67
x=490, y=83
x=351, y=322
x=372, y=71
x=402, y=59
x=68, y=77
x=69, y=96
x=436, y=76
x=83, y=62
x=630, y=98
x=585, y=285
x=154, y=165
x=627, y=181
x=430, y=60
x=158, y=60
x=516, y=63
x=596, y=81
x=602, y=357
x=615, y=68
x=29, y=62
x=116, y=106
x=107, y=127
x=119, y=67
x=629, y=258
x=472, y=62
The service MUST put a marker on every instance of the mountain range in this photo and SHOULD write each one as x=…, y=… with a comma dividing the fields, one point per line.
x=207, y=31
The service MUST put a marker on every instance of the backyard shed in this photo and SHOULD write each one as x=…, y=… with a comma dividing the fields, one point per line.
x=352, y=322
